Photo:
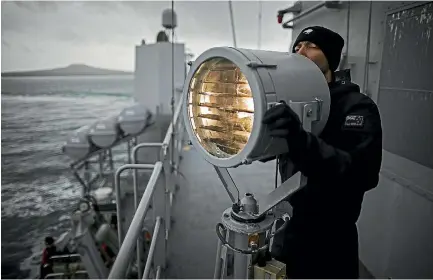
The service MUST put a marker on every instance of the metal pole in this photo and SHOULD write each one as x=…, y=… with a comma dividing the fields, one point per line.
x=152, y=247
x=135, y=184
x=158, y=273
x=218, y=261
x=172, y=90
x=123, y=257
x=110, y=155
x=129, y=151
x=227, y=181
x=118, y=194
x=170, y=128
x=228, y=257
x=232, y=21
x=134, y=161
x=240, y=260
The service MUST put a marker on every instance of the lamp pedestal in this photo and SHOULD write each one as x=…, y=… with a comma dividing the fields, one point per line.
x=243, y=243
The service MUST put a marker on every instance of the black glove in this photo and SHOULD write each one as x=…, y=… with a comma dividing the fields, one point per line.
x=282, y=121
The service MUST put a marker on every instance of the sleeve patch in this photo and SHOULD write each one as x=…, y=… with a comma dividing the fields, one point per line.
x=354, y=122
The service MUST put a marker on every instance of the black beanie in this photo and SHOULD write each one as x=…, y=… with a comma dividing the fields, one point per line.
x=330, y=42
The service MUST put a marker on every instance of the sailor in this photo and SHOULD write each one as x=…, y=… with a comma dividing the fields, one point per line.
x=49, y=251
x=107, y=254
x=340, y=164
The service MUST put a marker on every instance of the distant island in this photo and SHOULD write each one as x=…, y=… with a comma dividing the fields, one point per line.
x=71, y=70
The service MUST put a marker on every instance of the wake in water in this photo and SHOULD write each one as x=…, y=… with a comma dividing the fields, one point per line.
x=38, y=188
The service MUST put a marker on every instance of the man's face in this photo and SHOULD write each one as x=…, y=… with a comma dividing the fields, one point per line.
x=314, y=53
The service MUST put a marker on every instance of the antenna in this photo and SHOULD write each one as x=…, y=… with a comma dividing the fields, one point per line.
x=232, y=21
x=169, y=21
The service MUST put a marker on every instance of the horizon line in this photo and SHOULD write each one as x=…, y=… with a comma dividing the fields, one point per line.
x=62, y=67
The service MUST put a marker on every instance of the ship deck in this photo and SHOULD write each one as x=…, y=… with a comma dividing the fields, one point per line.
x=197, y=207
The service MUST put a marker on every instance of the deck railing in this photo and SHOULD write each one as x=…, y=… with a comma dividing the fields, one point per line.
x=160, y=188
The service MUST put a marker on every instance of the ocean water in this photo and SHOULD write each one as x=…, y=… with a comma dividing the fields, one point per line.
x=38, y=190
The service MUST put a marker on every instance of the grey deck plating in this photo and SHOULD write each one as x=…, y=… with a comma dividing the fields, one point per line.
x=198, y=207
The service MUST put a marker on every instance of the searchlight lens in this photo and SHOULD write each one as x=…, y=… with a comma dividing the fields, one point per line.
x=220, y=107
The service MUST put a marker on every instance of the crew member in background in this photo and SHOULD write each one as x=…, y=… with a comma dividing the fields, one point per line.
x=341, y=164
x=49, y=251
x=107, y=255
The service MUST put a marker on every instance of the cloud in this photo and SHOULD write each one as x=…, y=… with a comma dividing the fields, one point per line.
x=37, y=6
x=51, y=34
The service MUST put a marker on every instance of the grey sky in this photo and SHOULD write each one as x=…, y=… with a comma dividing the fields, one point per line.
x=39, y=35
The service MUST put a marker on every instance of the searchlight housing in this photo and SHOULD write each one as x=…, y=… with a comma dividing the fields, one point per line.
x=228, y=91
x=226, y=94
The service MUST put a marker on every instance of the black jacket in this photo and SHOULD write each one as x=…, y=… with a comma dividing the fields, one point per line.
x=342, y=163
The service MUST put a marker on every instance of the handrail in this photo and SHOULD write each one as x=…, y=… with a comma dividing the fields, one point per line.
x=65, y=273
x=120, y=265
x=119, y=208
x=134, y=161
x=152, y=247
x=167, y=139
x=126, y=138
x=135, y=184
x=170, y=130
x=65, y=256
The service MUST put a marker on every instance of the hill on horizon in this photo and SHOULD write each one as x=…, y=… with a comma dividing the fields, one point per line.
x=71, y=70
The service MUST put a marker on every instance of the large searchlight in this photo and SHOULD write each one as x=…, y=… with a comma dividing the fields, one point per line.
x=228, y=90
x=226, y=95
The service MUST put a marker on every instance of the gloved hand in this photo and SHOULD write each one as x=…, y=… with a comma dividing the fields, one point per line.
x=283, y=122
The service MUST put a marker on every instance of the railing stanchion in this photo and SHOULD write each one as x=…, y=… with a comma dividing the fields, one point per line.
x=161, y=193
x=127, y=247
x=135, y=184
x=159, y=212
